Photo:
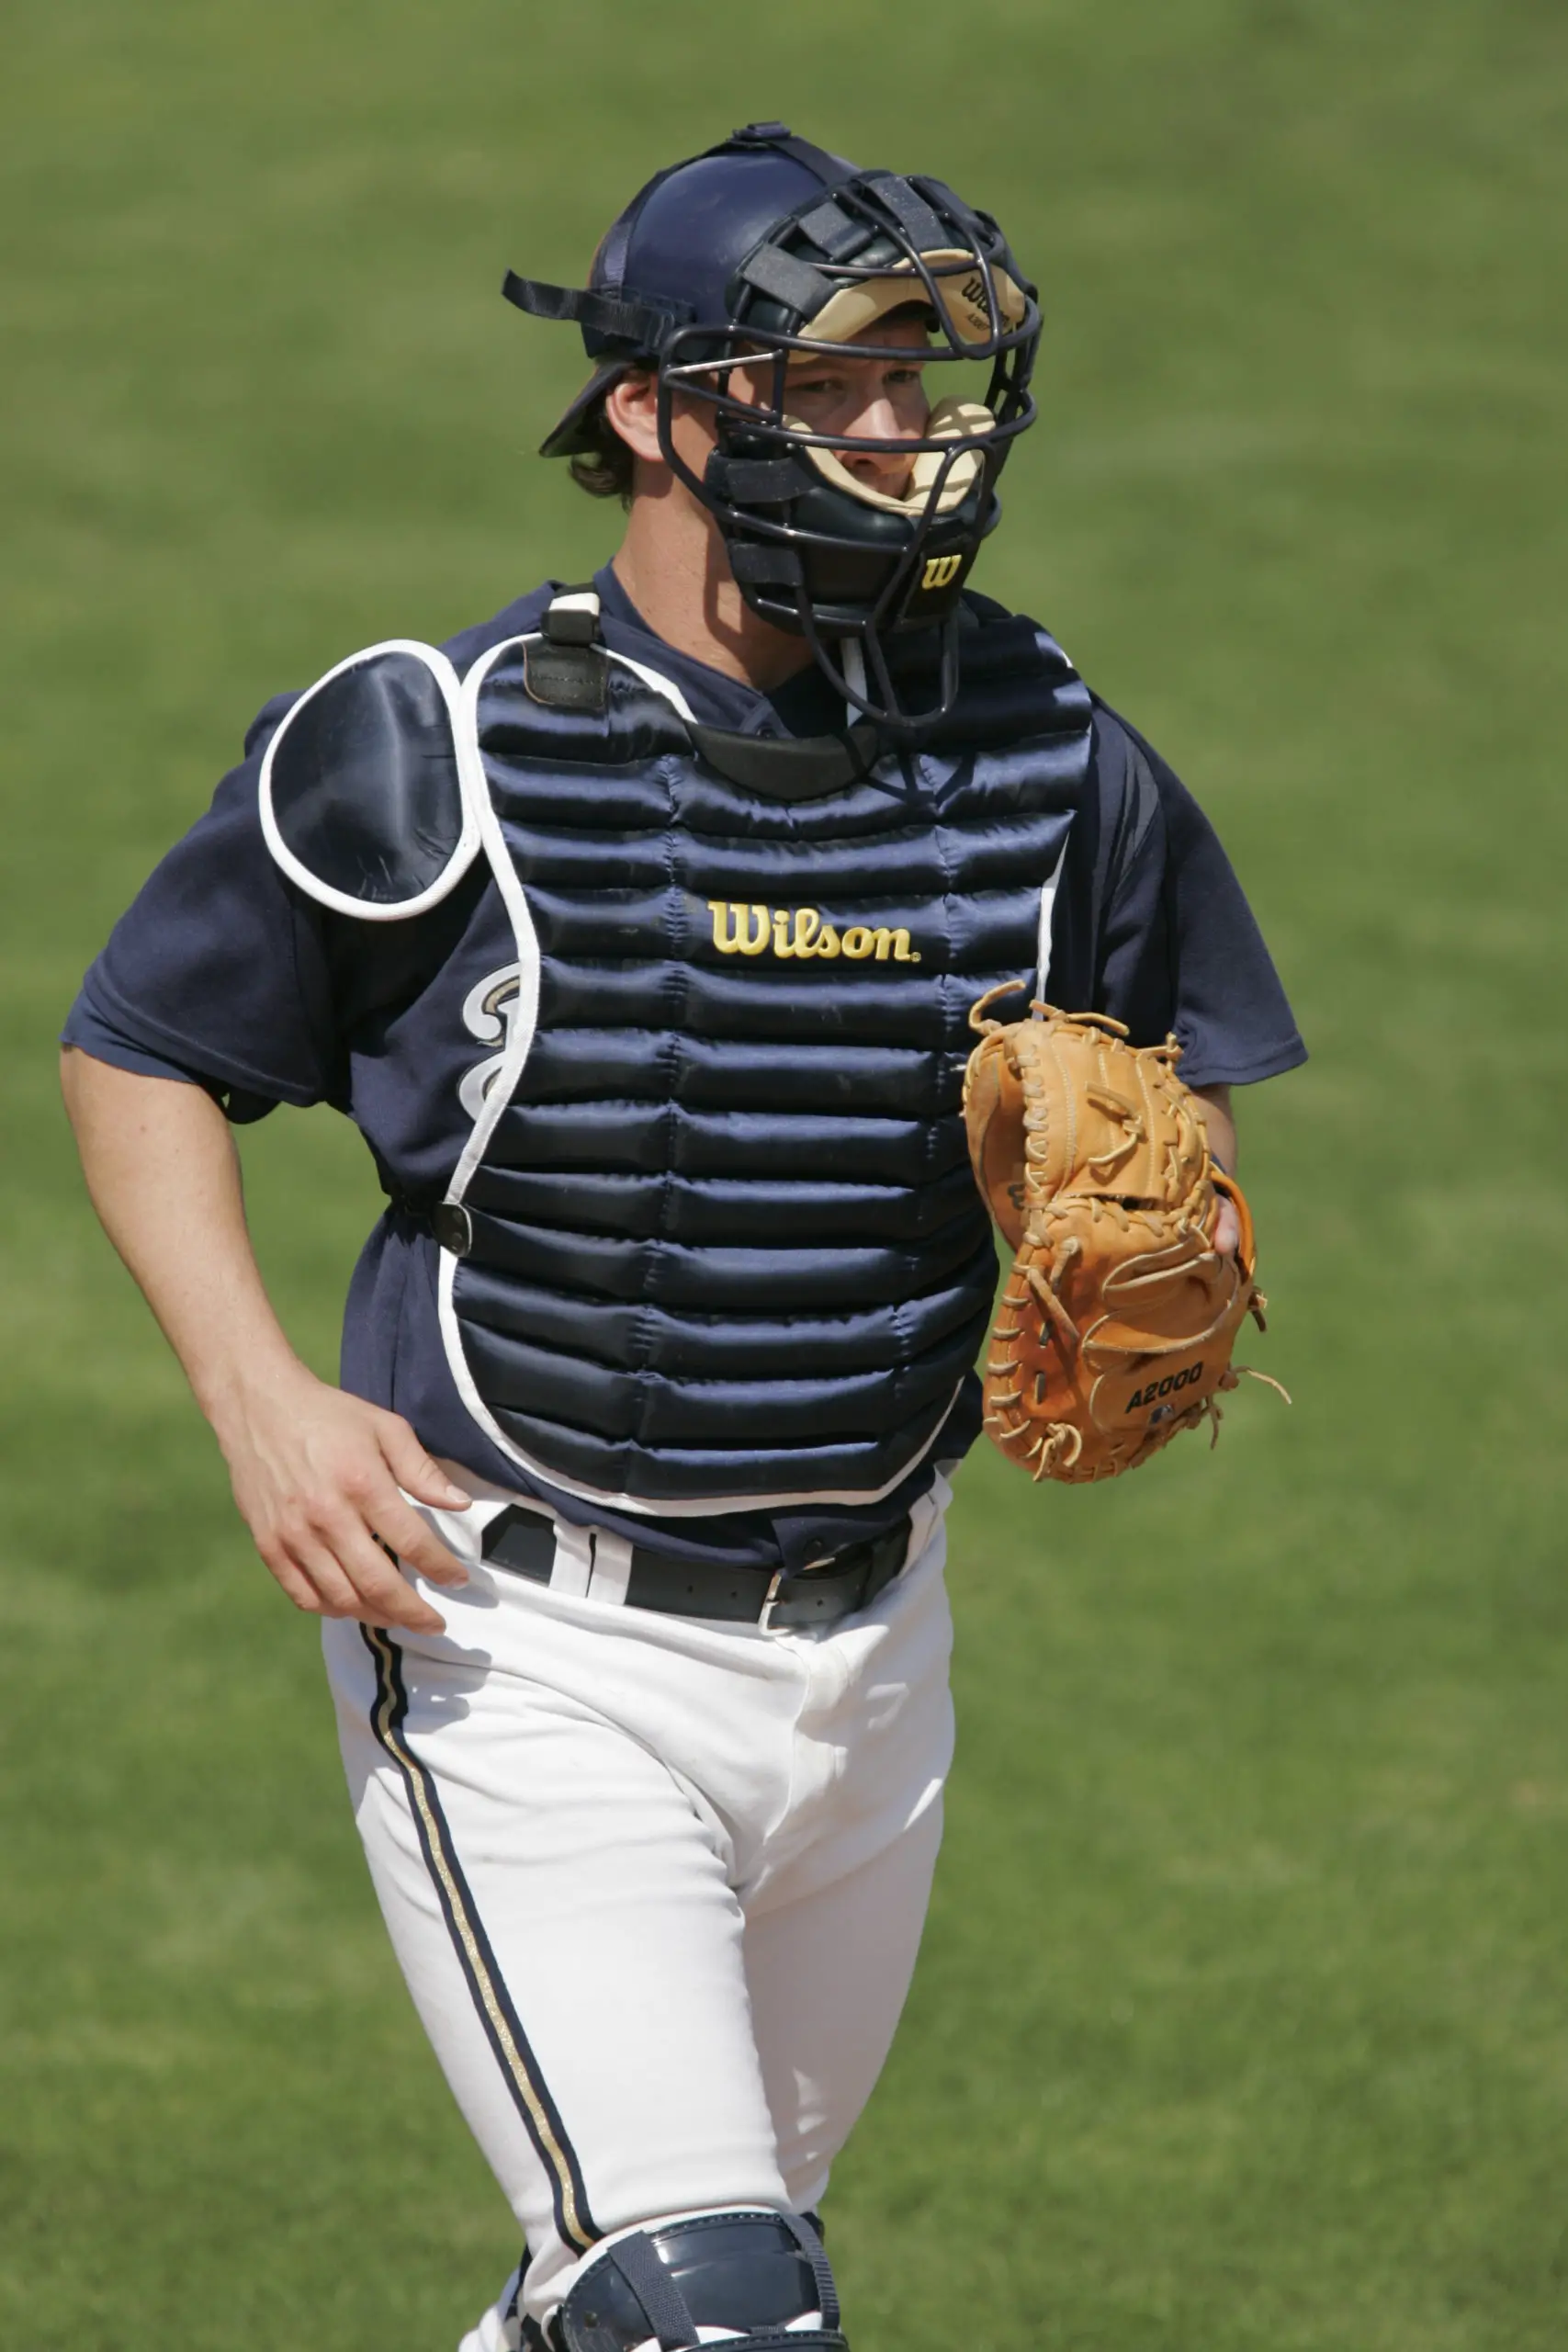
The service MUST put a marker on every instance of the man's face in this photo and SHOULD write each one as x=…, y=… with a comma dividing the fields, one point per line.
x=864, y=400
x=868, y=400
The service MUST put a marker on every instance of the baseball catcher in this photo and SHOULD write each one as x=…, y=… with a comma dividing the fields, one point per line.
x=637, y=930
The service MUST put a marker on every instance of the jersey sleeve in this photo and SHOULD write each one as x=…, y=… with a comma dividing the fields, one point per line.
x=91, y=1030
x=218, y=971
x=1179, y=947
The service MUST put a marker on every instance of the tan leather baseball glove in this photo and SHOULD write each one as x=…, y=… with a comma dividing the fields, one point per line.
x=1117, y=1322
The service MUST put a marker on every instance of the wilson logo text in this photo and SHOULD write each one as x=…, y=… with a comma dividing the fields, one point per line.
x=741, y=929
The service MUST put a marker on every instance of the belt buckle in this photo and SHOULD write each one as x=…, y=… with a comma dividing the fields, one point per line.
x=809, y=1567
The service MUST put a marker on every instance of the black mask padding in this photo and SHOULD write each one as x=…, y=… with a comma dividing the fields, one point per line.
x=843, y=556
x=365, y=786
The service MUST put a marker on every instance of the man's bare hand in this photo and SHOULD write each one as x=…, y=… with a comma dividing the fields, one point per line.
x=316, y=1475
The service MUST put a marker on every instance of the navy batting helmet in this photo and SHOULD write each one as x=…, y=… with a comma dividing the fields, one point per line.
x=765, y=245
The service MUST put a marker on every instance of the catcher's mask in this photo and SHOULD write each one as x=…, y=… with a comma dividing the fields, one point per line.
x=763, y=247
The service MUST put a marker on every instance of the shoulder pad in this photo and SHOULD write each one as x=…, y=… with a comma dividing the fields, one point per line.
x=363, y=800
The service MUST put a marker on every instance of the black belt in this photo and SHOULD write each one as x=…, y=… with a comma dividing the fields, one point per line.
x=525, y=1542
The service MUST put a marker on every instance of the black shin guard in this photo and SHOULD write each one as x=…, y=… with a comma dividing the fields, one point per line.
x=755, y=2274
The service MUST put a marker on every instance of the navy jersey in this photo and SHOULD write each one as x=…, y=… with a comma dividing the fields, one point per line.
x=223, y=974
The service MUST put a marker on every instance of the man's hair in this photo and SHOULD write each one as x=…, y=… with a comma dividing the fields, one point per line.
x=605, y=471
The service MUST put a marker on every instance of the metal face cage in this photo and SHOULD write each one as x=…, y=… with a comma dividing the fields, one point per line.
x=811, y=548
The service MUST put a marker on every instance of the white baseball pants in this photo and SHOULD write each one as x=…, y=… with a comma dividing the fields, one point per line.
x=656, y=1884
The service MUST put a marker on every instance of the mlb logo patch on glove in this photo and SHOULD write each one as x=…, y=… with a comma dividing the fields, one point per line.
x=1119, y=1317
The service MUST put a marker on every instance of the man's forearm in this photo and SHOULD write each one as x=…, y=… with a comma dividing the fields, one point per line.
x=165, y=1179
x=321, y=1479
x=1219, y=1122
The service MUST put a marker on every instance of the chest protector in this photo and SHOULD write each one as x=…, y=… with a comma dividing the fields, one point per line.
x=713, y=1243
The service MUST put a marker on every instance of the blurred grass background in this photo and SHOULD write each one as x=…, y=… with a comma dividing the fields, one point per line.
x=1242, y=2021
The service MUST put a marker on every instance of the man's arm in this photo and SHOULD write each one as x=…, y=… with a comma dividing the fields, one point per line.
x=1219, y=1122
x=316, y=1473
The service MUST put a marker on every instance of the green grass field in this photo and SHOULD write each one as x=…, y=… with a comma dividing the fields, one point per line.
x=1242, y=2024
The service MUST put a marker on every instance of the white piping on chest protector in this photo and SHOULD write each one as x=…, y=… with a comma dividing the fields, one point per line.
x=1047, y=913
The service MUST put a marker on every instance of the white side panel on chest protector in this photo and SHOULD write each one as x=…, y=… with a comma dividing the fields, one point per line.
x=292, y=828
x=1047, y=913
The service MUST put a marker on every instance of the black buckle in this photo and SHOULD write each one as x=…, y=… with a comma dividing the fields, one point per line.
x=830, y=1590
x=566, y=624
x=453, y=1226
x=523, y=1541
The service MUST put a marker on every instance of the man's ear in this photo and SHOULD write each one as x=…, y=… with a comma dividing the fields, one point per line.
x=631, y=409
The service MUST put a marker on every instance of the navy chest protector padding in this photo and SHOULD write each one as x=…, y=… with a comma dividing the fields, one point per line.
x=713, y=1242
